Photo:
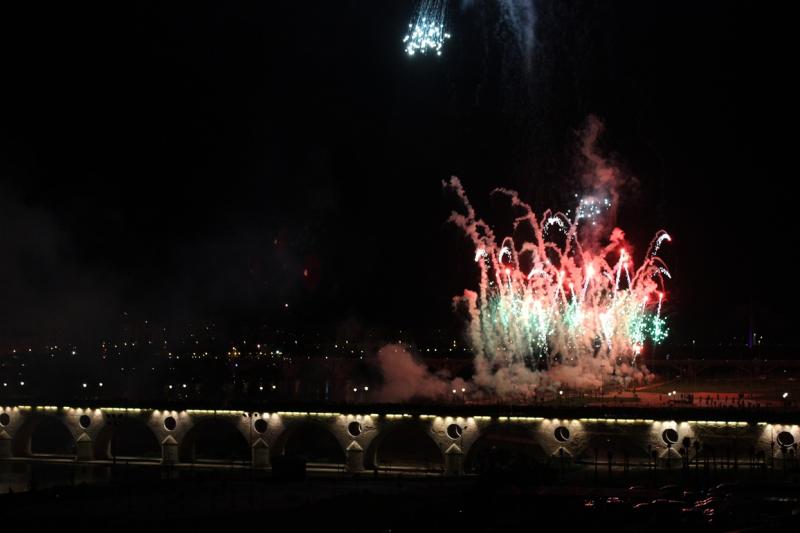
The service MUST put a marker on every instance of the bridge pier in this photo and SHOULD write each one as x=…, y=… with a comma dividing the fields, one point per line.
x=5, y=444
x=169, y=450
x=670, y=458
x=453, y=461
x=260, y=454
x=354, y=454
x=84, y=450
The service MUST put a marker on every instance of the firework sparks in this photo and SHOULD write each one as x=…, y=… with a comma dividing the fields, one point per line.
x=555, y=306
x=426, y=31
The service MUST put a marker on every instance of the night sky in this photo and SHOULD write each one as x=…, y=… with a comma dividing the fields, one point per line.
x=217, y=161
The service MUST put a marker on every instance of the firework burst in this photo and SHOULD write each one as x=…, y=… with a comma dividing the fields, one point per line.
x=554, y=308
x=426, y=31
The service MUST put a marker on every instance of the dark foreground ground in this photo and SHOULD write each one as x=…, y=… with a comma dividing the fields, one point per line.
x=519, y=500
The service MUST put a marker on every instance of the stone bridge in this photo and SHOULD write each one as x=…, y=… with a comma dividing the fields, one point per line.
x=450, y=444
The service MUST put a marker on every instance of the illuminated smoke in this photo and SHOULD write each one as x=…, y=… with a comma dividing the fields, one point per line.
x=405, y=378
x=521, y=17
x=512, y=22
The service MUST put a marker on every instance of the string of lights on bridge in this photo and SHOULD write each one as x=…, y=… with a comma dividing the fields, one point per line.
x=389, y=416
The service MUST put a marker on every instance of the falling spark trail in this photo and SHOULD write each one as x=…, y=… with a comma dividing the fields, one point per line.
x=426, y=31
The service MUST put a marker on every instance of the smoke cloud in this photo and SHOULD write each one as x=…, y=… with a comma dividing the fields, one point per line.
x=602, y=182
x=405, y=377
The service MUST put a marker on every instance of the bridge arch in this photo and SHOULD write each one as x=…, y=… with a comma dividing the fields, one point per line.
x=405, y=444
x=619, y=447
x=504, y=446
x=43, y=434
x=214, y=439
x=127, y=437
x=311, y=440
